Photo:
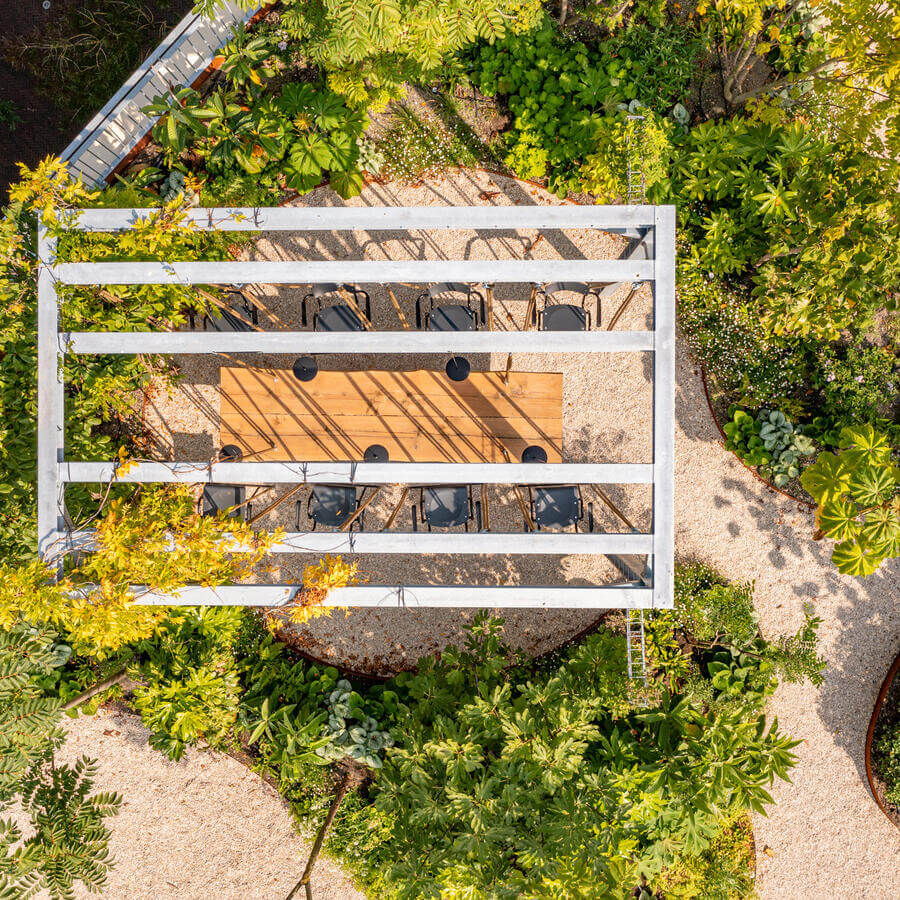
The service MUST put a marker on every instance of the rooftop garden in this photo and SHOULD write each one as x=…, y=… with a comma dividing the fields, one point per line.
x=773, y=128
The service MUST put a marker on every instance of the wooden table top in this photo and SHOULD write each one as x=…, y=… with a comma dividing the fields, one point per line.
x=418, y=416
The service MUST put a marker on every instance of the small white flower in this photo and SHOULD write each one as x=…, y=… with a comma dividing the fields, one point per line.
x=282, y=45
x=859, y=379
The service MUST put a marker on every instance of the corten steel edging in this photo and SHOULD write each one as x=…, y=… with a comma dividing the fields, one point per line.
x=870, y=733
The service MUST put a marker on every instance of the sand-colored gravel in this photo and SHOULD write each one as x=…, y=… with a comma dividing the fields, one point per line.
x=203, y=827
x=824, y=837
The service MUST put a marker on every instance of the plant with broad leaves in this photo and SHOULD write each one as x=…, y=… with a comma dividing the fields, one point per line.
x=179, y=116
x=770, y=442
x=245, y=60
x=351, y=731
x=856, y=490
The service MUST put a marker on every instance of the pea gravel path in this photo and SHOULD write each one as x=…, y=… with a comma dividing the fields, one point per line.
x=203, y=827
x=824, y=837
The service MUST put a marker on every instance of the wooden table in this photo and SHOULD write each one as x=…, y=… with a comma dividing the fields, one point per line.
x=419, y=416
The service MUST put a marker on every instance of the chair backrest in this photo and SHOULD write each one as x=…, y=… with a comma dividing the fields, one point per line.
x=323, y=290
x=220, y=498
x=451, y=287
x=556, y=506
x=224, y=320
x=572, y=287
x=332, y=504
x=445, y=506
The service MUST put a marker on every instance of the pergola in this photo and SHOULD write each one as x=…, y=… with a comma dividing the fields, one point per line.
x=653, y=227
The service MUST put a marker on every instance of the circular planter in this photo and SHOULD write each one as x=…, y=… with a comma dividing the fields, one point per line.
x=876, y=786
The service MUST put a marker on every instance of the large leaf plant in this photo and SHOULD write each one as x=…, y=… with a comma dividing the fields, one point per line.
x=856, y=490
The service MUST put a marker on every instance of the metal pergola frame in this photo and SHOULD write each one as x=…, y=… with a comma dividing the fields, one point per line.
x=653, y=261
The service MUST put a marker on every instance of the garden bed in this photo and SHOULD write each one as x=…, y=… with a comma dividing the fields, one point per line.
x=885, y=717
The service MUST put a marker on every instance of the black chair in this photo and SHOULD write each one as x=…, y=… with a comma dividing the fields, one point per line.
x=225, y=498
x=330, y=505
x=552, y=314
x=337, y=316
x=447, y=506
x=456, y=314
x=559, y=506
x=224, y=320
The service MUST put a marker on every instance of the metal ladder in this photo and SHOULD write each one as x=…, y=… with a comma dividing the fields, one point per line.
x=638, y=131
x=634, y=645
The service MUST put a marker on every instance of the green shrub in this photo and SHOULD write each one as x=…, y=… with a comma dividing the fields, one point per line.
x=506, y=782
x=815, y=224
x=770, y=442
x=565, y=101
x=858, y=495
x=661, y=61
x=302, y=134
x=190, y=689
x=645, y=143
x=724, y=329
x=886, y=747
x=858, y=385
x=724, y=871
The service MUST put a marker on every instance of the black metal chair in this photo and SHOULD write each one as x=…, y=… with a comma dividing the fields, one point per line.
x=553, y=314
x=337, y=316
x=456, y=314
x=225, y=498
x=218, y=319
x=559, y=506
x=331, y=505
x=447, y=506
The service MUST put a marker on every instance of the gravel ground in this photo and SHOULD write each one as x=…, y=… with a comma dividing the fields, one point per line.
x=202, y=827
x=824, y=837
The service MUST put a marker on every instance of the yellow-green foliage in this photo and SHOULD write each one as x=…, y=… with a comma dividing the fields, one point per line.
x=723, y=871
x=647, y=143
x=524, y=15
x=158, y=541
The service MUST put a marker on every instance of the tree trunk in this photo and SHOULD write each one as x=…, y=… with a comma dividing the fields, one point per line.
x=98, y=688
x=346, y=781
x=563, y=11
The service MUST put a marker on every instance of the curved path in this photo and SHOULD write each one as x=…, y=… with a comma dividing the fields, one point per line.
x=824, y=836
x=203, y=827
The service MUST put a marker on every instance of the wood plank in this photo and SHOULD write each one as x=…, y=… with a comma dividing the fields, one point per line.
x=418, y=416
x=423, y=448
x=478, y=384
x=296, y=424
x=383, y=404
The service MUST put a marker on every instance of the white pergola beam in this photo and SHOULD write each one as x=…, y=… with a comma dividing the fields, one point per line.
x=478, y=543
x=50, y=397
x=411, y=596
x=320, y=342
x=365, y=271
x=361, y=473
x=664, y=410
x=369, y=218
x=652, y=260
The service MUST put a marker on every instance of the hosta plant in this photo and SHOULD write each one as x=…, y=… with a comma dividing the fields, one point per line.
x=770, y=442
x=856, y=490
x=351, y=731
